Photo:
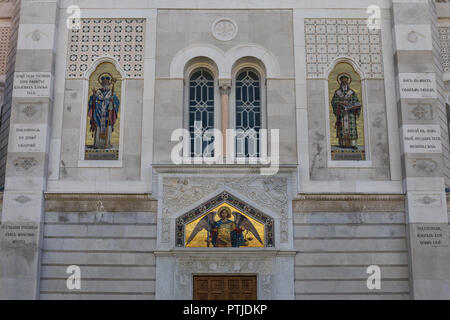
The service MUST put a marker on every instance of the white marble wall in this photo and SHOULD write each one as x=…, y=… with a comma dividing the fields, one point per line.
x=154, y=107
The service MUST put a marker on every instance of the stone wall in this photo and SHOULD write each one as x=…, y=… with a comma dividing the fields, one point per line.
x=13, y=11
x=110, y=237
x=328, y=40
x=338, y=236
x=261, y=34
x=444, y=44
x=178, y=29
x=72, y=136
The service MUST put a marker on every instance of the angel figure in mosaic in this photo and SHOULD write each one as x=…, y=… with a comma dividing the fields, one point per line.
x=225, y=232
x=346, y=108
x=103, y=111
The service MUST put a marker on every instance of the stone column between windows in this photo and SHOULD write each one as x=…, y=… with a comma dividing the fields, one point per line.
x=225, y=89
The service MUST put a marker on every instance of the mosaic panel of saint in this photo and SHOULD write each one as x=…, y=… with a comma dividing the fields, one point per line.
x=346, y=114
x=103, y=115
x=225, y=227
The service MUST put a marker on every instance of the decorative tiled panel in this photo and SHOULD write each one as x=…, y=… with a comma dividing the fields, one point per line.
x=329, y=39
x=4, y=40
x=121, y=39
x=444, y=36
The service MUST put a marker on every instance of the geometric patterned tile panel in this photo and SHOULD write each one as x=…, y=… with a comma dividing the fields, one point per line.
x=444, y=36
x=122, y=39
x=4, y=42
x=328, y=39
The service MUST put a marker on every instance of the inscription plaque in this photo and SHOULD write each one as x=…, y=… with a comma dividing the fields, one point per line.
x=32, y=84
x=422, y=138
x=431, y=235
x=18, y=234
x=28, y=137
x=417, y=86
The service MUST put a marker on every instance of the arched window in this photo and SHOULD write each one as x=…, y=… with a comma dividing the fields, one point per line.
x=248, y=113
x=201, y=111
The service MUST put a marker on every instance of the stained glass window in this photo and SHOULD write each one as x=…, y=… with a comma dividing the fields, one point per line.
x=201, y=111
x=248, y=114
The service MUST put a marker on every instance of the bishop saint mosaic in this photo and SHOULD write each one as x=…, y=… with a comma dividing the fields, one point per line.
x=346, y=109
x=102, y=136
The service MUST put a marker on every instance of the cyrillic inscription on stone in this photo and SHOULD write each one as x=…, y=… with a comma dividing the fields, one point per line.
x=417, y=86
x=32, y=84
x=28, y=137
x=431, y=235
x=18, y=234
x=422, y=138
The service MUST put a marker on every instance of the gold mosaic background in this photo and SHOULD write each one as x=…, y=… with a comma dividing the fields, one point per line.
x=93, y=83
x=200, y=239
x=333, y=85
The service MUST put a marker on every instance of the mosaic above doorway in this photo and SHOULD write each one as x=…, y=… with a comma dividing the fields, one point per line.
x=224, y=221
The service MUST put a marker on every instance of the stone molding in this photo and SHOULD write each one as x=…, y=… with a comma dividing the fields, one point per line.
x=349, y=203
x=248, y=261
x=224, y=29
x=91, y=196
x=224, y=197
x=180, y=194
x=351, y=197
x=224, y=60
x=57, y=202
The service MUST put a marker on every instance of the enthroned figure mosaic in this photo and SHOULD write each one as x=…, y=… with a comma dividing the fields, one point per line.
x=224, y=221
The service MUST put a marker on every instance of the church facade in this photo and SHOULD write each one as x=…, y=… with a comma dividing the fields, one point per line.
x=200, y=149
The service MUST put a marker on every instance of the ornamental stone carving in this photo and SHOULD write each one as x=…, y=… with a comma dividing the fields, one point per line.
x=444, y=38
x=224, y=29
x=22, y=199
x=30, y=110
x=428, y=200
x=120, y=38
x=330, y=39
x=186, y=266
x=182, y=193
x=426, y=166
x=23, y=164
x=36, y=35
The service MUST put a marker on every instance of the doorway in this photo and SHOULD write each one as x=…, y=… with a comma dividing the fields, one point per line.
x=224, y=288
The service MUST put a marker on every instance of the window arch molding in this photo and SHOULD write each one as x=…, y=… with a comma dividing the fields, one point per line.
x=84, y=110
x=348, y=60
x=192, y=66
x=363, y=79
x=224, y=59
x=101, y=60
x=256, y=66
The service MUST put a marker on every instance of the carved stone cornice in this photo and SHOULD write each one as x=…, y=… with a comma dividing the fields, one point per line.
x=349, y=203
x=351, y=197
x=77, y=202
x=96, y=196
